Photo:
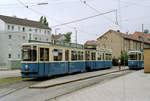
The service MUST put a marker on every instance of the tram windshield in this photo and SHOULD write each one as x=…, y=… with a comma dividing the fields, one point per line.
x=133, y=57
x=29, y=54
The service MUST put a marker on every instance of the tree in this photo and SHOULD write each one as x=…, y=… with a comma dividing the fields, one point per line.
x=68, y=37
x=43, y=20
x=146, y=31
x=124, y=58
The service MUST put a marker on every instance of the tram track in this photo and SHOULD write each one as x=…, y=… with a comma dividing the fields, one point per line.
x=26, y=83
x=15, y=86
x=91, y=82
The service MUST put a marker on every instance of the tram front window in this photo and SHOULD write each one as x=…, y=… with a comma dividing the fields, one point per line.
x=132, y=57
x=29, y=54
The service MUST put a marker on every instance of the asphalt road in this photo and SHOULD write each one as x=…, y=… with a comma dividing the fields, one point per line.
x=26, y=94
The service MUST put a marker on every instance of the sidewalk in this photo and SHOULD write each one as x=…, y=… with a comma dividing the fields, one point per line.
x=73, y=78
x=11, y=73
x=131, y=87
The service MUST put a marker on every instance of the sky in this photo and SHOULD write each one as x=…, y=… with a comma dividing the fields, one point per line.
x=131, y=14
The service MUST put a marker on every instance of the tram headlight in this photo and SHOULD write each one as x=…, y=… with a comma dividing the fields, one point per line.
x=26, y=67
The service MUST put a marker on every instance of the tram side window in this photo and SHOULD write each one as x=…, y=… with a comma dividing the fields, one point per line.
x=80, y=55
x=133, y=57
x=87, y=55
x=108, y=56
x=99, y=57
x=103, y=56
x=73, y=55
x=46, y=54
x=57, y=53
x=93, y=56
x=140, y=58
x=33, y=54
x=67, y=55
x=41, y=54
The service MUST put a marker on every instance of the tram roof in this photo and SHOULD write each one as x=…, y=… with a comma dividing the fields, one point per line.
x=134, y=51
x=35, y=44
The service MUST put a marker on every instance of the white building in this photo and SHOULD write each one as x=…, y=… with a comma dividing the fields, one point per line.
x=15, y=31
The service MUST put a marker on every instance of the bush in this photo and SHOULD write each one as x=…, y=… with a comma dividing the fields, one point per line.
x=124, y=58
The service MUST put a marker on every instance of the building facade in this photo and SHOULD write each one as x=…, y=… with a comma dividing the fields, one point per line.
x=14, y=32
x=118, y=42
x=90, y=44
x=58, y=37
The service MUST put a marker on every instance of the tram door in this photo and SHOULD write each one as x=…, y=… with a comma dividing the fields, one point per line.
x=67, y=59
x=43, y=62
x=93, y=58
x=104, y=62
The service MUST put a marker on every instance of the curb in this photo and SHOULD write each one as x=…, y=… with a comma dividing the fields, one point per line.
x=61, y=83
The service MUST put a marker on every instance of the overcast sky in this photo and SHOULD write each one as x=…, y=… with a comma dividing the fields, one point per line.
x=131, y=15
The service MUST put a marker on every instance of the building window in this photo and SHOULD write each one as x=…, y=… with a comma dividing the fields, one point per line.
x=48, y=32
x=18, y=28
x=12, y=27
x=35, y=30
x=35, y=38
x=30, y=36
x=46, y=39
x=30, y=29
x=40, y=31
x=9, y=55
x=23, y=29
x=8, y=27
x=9, y=36
x=23, y=37
x=45, y=31
x=18, y=56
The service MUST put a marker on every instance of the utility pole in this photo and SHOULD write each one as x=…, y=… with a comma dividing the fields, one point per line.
x=75, y=35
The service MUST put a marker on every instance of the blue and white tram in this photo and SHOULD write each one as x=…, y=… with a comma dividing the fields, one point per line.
x=45, y=60
x=135, y=60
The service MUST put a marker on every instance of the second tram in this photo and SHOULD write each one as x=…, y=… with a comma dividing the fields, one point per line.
x=135, y=60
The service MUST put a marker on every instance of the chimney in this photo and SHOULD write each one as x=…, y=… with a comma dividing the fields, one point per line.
x=118, y=30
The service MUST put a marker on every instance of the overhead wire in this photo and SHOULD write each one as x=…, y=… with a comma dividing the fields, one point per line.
x=116, y=23
x=40, y=13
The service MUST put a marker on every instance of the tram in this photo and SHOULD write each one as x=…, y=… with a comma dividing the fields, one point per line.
x=135, y=60
x=46, y=60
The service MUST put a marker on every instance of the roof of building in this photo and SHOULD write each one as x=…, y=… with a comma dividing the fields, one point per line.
x=23, y=22
x=91, y=42
x=108, y=32
x=56, y=37
x=136, y=36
